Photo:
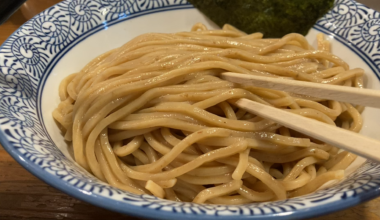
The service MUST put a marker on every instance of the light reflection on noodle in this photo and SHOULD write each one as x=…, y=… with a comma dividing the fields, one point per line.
x=153, y=117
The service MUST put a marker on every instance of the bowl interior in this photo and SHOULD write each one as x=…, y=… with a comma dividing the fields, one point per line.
x=77, y=56
x=57, y=43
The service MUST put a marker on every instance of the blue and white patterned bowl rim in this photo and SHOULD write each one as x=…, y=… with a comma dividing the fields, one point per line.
x=29, y=55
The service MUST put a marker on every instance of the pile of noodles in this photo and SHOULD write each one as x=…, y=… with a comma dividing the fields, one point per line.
x=153, y=117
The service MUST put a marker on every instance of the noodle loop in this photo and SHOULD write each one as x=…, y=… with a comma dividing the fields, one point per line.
x=153, y=117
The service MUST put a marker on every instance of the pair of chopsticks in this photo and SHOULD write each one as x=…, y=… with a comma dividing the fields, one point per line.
x=344, y=139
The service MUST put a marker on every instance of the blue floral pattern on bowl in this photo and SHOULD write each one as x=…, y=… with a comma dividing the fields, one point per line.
x=27, y=57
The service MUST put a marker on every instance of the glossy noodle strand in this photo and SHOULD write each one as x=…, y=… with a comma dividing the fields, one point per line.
x=153, y=117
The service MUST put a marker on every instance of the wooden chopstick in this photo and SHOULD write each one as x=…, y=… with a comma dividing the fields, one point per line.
x=344, y=139
x=359, y=96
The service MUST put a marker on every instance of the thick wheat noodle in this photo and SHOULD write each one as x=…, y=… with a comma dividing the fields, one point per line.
x=110, y=156
x=331, y=113
x=189, y=140
x=293, y=156
x=171, y=195
x=255, y=196
x=318, y=181
x=122, y=135
x=155, y=189
x=173, y=141
x=211, y=171
x=208, y=118
x=312, y=171
x=162, y=149
x=286, y=168
x=336, y=159
x=125, y=150
x=300, y=181
x=150, y=152
x=230, y=200
x=215, y=180
x=276, y=173
x=297, y=169
x=138, y=154
x=267, y=166
x=348, y=159
x=154, y=117
x=252, y=143
x=227, y=110
x=178, y=171
x=109, y=176
x=103, y=101
x=132, y=106
x=256, y=169
x=314, y=114
x=183, y=97
x=156, y=122
x=321, y=170
x=242, y=165
x=217, y=191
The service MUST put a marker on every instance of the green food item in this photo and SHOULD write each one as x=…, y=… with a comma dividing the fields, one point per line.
x=273, y=18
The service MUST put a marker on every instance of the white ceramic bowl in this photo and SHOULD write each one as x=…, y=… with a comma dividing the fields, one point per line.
x=62, y=39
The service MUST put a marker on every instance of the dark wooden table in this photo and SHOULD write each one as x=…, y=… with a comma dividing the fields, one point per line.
x=23, y=196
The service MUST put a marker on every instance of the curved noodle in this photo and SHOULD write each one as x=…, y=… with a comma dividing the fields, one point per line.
x=154, y=117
